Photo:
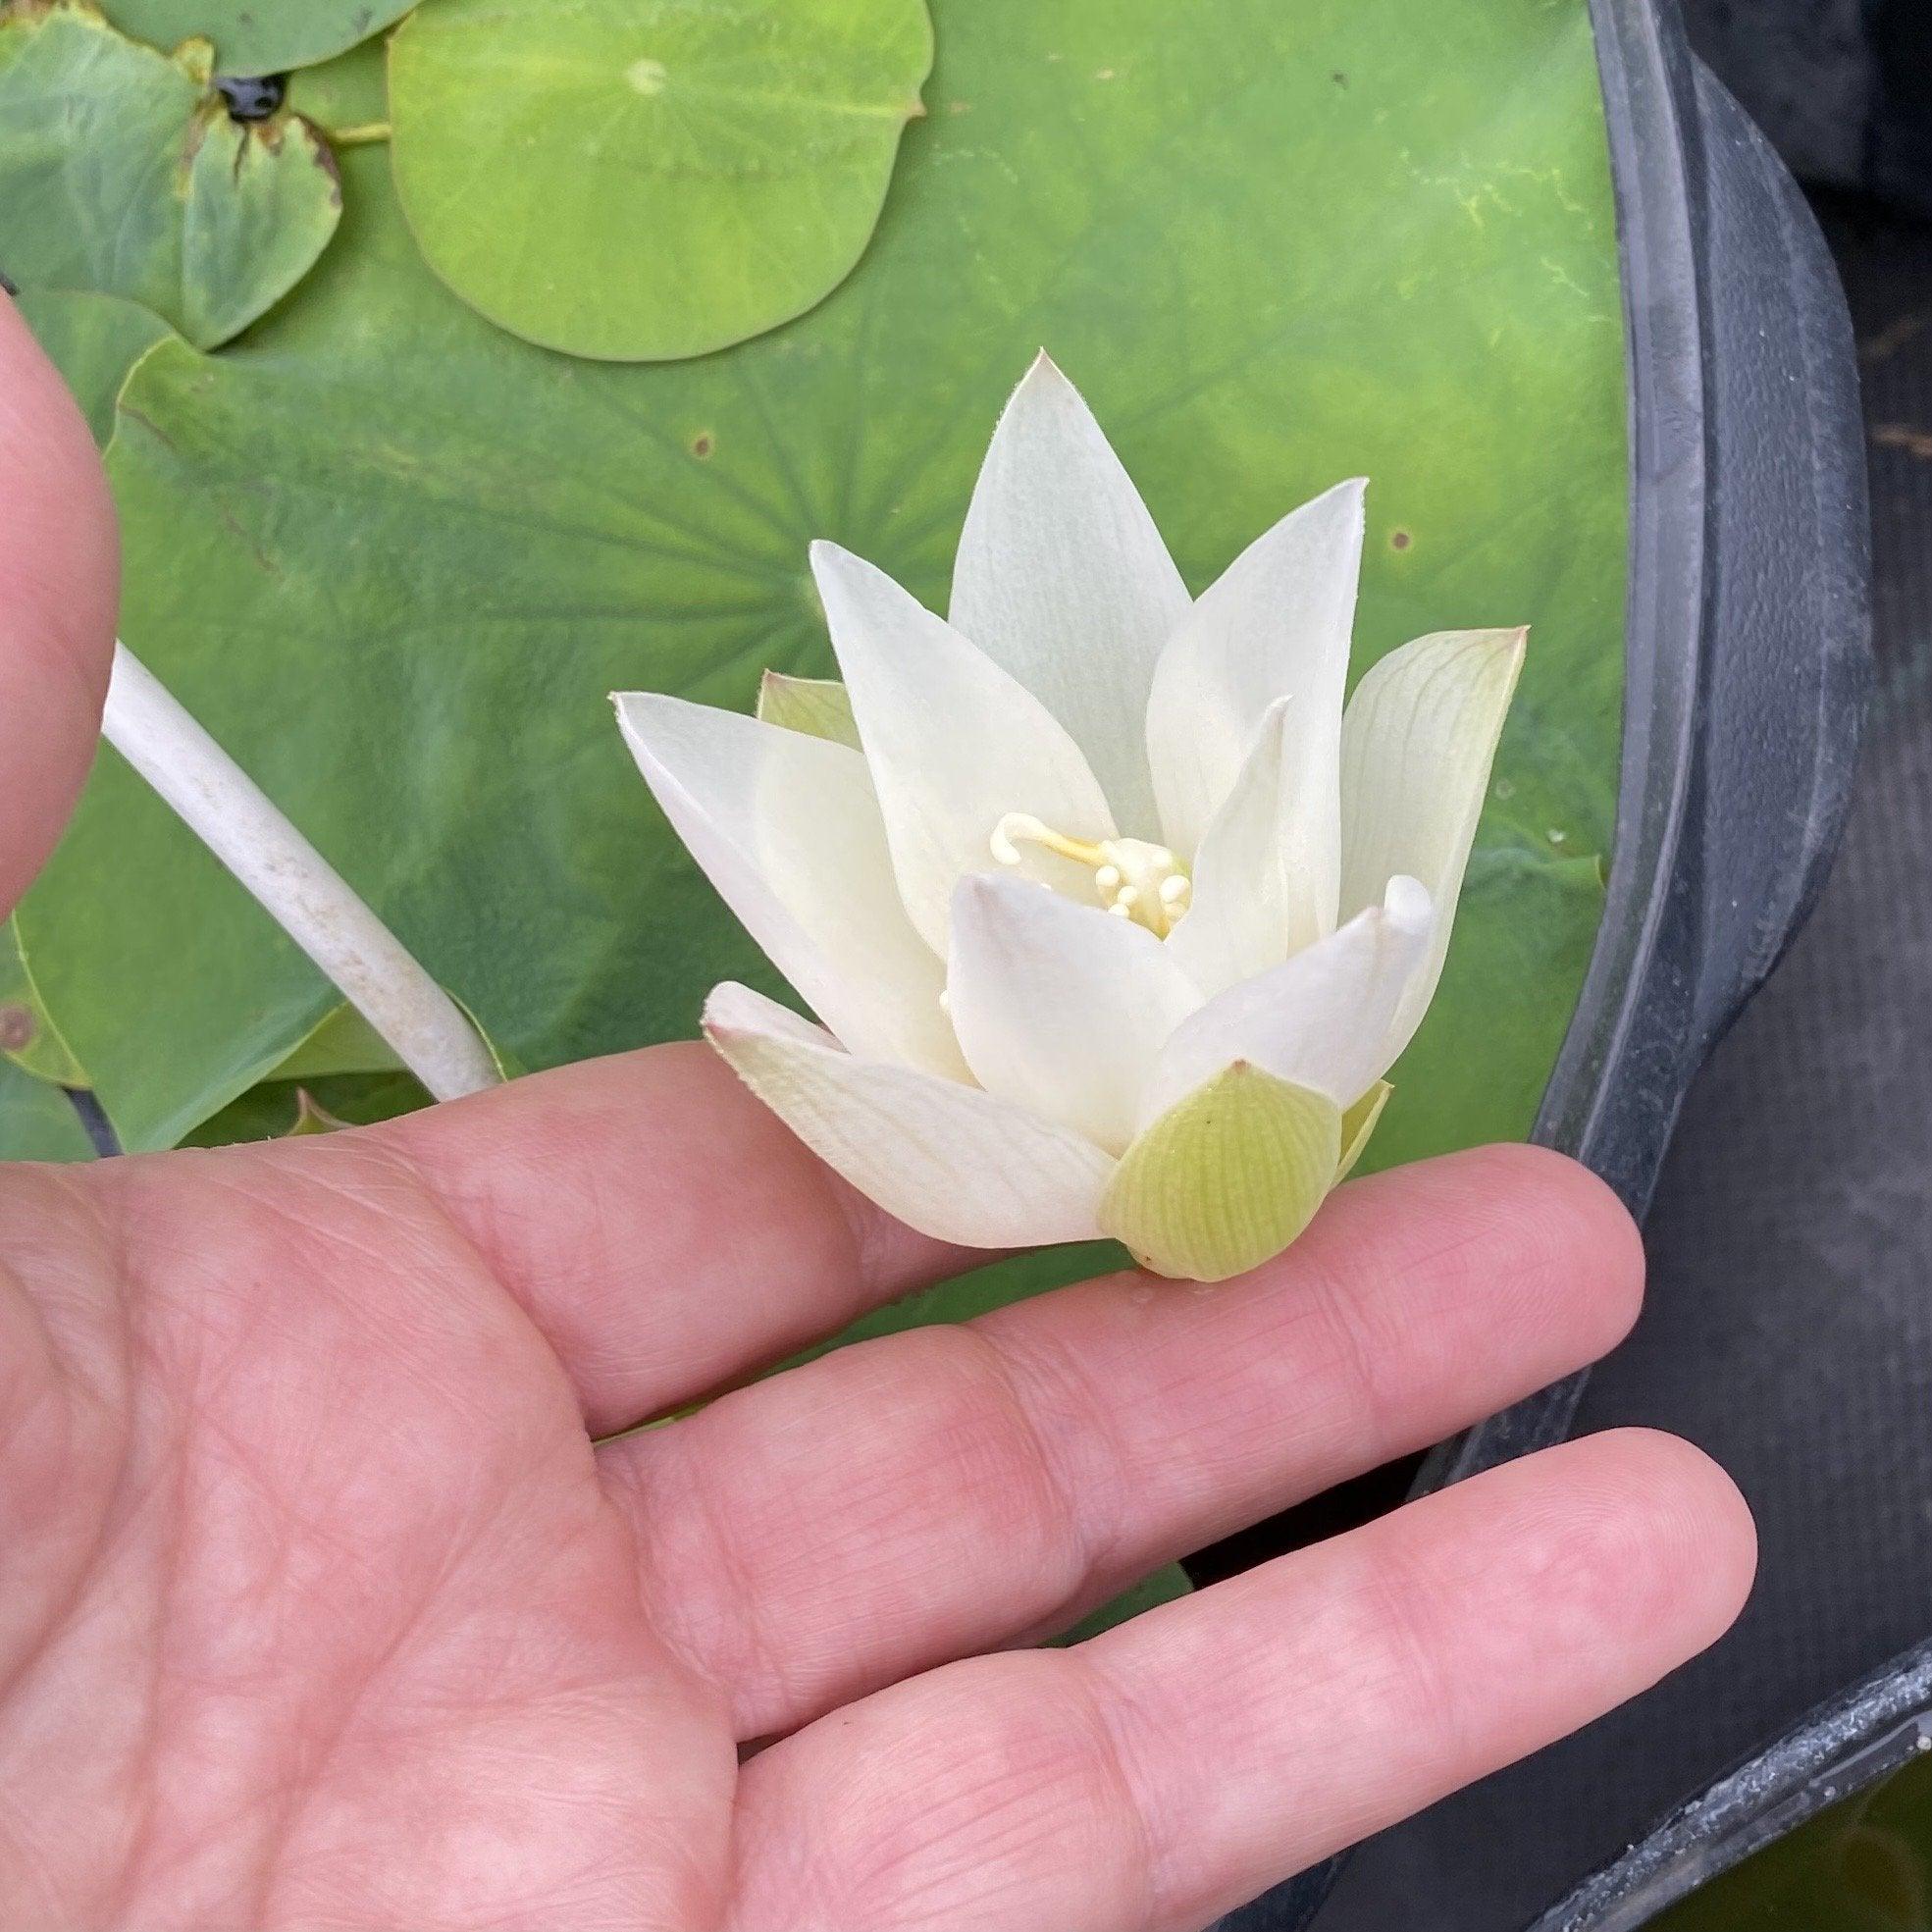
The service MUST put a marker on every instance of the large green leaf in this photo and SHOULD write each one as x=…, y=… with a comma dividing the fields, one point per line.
x=259, y=36
x=120, y=172
x=396, y=557
x=644, y=179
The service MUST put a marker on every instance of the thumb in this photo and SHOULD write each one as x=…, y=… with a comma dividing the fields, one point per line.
x=59, y=591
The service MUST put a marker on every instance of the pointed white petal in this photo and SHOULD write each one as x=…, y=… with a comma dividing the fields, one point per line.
x=1058, y=1005
x=1264, y=883
x=954, y=743
x=948, y=1160
x=1276, y=625
x=1417, y=747
x=787, y=829
x=1321, y=1021
x=1063, y=579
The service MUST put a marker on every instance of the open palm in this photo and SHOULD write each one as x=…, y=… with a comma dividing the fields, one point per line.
x=323, y=1604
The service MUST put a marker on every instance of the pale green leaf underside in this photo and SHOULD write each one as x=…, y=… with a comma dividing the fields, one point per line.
x=641, y=179
x=817, y=706
x=120, y=173
x=258, y=37
x=37, y=1121
x=1226, y=1178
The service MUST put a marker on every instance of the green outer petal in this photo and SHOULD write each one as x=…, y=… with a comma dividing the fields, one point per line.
x=1358, y=1123
x=820, y=707
x=1226, y=1179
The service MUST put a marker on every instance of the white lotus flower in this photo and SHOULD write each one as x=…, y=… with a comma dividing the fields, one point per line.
x=1114, y=919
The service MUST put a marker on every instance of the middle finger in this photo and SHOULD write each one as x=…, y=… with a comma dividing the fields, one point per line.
x=943, y=1492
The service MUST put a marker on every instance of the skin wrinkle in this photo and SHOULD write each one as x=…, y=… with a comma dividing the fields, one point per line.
x=727, y=1650
x=749, y=1654
x=1093, y=1502
x=1403, y=1597
x=961, y=1368
x=1115, y=1711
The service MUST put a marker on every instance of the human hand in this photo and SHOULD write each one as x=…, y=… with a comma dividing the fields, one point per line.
x=321, y=1605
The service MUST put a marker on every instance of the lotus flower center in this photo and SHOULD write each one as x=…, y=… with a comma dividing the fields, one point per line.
x=1133, y=879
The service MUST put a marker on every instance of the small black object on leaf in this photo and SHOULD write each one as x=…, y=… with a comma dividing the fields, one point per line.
x=253, y=97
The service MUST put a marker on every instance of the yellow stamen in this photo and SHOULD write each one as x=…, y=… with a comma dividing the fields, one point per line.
x=1133, y=880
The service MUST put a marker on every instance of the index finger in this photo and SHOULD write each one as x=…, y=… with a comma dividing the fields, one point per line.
x=59, y=590
x=666, y=1230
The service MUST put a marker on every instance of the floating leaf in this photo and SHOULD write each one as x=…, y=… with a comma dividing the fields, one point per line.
x=344, y=1043
x=349, y=94
x=641, y=179
x=37, y=1121
x=93, y=340
x=258, y=37
x=396, y=557
x=28, y=1037
x=122, y=173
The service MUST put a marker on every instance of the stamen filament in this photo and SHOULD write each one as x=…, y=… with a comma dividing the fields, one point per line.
x=1023, y=825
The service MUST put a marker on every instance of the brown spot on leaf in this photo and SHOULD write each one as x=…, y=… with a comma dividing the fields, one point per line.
x=1399, y=539
x=17, y=1028
x=703, y=443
